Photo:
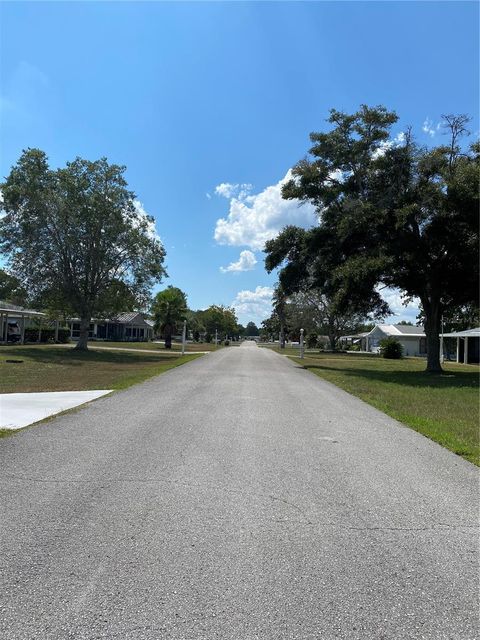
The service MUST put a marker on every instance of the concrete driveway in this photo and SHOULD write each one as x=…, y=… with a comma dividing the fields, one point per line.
x=236, y=497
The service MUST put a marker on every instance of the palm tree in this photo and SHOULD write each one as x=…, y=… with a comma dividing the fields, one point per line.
x=168, y=309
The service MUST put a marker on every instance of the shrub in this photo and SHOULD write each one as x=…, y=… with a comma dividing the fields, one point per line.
x=208, y=337
x=391, y=348
x=352, y=347
x=227, y=343
x=47, y=335
x=312, y=340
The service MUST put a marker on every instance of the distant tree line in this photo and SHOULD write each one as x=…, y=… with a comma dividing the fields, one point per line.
x=170, y=310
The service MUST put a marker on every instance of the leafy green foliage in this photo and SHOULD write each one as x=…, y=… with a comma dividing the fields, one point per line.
x=169, y=308
x=312, y=340
x=11, y=289
x=251, y=329
x=391, y=349
x=220, y=319
x=47, y=335
x=391, y=214
x=74, y=234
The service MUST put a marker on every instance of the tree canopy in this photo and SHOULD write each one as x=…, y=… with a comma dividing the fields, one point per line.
x=251, y=329
x=220, y=319
x=390, y=213
x=76, y=236
x=11, y=289
x=169, y=308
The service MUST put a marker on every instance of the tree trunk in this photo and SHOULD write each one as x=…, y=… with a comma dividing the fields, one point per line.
x=282, y=337
x=433, y=319
x=82, y=344
x=332, y=336
x=168, y=336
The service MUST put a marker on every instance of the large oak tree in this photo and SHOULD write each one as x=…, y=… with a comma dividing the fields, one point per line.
x=390, y=214
x=76, y=236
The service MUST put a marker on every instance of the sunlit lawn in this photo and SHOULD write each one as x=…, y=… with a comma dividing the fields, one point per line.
x=60, y=368
x=443, y=407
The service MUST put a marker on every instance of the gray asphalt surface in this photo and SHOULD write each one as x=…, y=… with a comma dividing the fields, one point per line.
x=236, y=497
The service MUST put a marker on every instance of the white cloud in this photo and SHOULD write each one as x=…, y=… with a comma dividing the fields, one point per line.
x=397, y=141
x=229, y=190
x=246, y=262
x=400, y=311
x=253, y=305
x=142, y=215
x=430, y=128
x=254, y=219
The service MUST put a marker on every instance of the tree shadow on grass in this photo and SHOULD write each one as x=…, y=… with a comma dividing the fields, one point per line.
x=68, y=356
x=446, y=380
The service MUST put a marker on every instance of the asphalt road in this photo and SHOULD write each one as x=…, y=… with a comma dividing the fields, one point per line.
x=236, y=497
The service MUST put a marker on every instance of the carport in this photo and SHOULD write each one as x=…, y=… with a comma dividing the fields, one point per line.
x=19, y=314
x=468, y=341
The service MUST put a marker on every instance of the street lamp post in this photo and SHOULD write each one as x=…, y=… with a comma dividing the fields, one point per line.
x=302, y=348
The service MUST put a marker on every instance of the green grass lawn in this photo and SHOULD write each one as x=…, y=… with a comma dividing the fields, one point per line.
x=443, y=407
x=58, y=368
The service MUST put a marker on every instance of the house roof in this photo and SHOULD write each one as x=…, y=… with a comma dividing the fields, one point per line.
x=127, y=317
x=399, y=330
x=14, y=310
x=468, y=333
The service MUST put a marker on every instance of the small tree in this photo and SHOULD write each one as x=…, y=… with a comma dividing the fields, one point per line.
x=75, y=235
x=391, y=348
x=220, y=319
x=312, y=340
x=168, y=309
x=252, y=330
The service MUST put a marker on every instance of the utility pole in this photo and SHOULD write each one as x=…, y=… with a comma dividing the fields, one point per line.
x=302, y=348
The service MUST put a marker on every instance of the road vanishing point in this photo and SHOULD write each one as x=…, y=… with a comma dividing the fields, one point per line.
x=237, y=497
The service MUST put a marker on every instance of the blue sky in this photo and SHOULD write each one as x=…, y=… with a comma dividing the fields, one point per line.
x=209, y=105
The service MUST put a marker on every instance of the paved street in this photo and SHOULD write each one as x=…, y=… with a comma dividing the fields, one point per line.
x=237, y=497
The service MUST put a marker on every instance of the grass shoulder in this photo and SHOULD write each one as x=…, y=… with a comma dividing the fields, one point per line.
x=54, y=368
x=443, y=407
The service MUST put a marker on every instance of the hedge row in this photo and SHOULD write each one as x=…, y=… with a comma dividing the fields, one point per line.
x=47, y=335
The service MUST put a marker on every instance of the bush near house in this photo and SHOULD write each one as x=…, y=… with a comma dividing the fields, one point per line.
x=391, y=349
x=312, y=340
x=47, y=335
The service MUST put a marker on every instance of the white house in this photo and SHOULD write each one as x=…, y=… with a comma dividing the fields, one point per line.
x=126, y=326
x=412, y=339
x=468, y=345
